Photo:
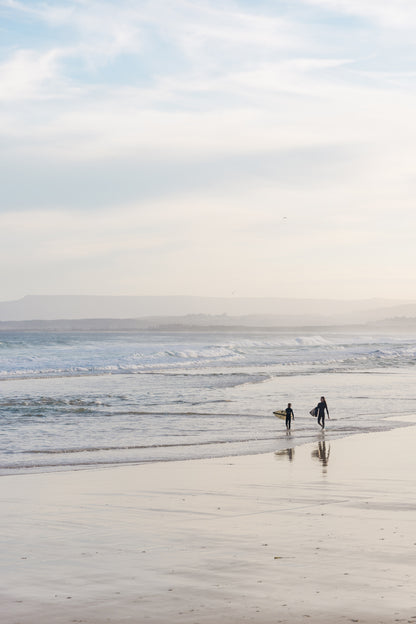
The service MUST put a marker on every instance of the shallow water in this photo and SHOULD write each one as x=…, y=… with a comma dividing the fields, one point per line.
x=75, y=400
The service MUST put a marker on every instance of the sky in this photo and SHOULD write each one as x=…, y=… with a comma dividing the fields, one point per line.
x=257, y=148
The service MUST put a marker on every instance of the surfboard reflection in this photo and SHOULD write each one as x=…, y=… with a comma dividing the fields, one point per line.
x=286, y=454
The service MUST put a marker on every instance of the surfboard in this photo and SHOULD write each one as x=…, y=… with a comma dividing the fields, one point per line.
x=280, y=414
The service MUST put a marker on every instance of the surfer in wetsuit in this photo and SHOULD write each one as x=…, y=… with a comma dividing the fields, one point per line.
x=321, y=407
x=289, y=415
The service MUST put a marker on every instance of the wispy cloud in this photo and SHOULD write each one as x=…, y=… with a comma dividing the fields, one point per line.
x=392, y=14
x=26, y=74
x=180, y=133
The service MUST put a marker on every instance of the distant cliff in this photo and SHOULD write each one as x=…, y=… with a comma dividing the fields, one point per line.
x=205, y=322
x=249, y=311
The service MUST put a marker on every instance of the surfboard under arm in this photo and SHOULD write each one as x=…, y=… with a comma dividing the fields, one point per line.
x=280, y=414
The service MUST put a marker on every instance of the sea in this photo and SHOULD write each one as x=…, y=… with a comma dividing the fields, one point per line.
x=81, y=400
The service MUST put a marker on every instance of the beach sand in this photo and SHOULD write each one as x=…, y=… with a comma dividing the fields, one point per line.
x=324, y=533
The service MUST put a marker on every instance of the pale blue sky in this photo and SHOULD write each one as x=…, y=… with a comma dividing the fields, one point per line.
x=254, y=148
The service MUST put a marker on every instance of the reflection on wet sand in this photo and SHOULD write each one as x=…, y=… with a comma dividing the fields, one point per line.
x=286, y=453
x=322, y=453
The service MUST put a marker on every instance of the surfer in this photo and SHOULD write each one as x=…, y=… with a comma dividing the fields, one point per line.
x=289, y=415
x=321, y=407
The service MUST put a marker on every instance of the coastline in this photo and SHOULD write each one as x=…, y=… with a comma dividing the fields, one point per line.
x=321, y=533
x=281, y=441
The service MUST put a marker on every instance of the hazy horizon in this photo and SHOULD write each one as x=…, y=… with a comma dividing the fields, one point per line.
x=250, y=149
x=260, y=310
x=207, y=296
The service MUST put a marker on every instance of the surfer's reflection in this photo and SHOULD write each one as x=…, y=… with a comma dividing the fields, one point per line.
x=286, y=454
x=322, y=453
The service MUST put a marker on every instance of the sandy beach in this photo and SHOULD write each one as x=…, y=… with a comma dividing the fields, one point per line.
x=322, y=533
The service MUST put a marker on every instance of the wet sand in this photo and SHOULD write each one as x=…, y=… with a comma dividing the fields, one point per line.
x=324, y=533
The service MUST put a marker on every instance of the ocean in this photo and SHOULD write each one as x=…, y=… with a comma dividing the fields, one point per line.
x=81, y=400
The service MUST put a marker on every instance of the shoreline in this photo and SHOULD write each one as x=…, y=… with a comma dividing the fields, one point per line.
x=323, y=533
x=282, y=443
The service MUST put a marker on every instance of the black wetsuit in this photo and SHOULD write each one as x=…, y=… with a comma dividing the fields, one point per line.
x=289, y=416
x=322, y=406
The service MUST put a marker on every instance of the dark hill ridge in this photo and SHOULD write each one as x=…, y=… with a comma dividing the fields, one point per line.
x=275, y=311
x=201, y=322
